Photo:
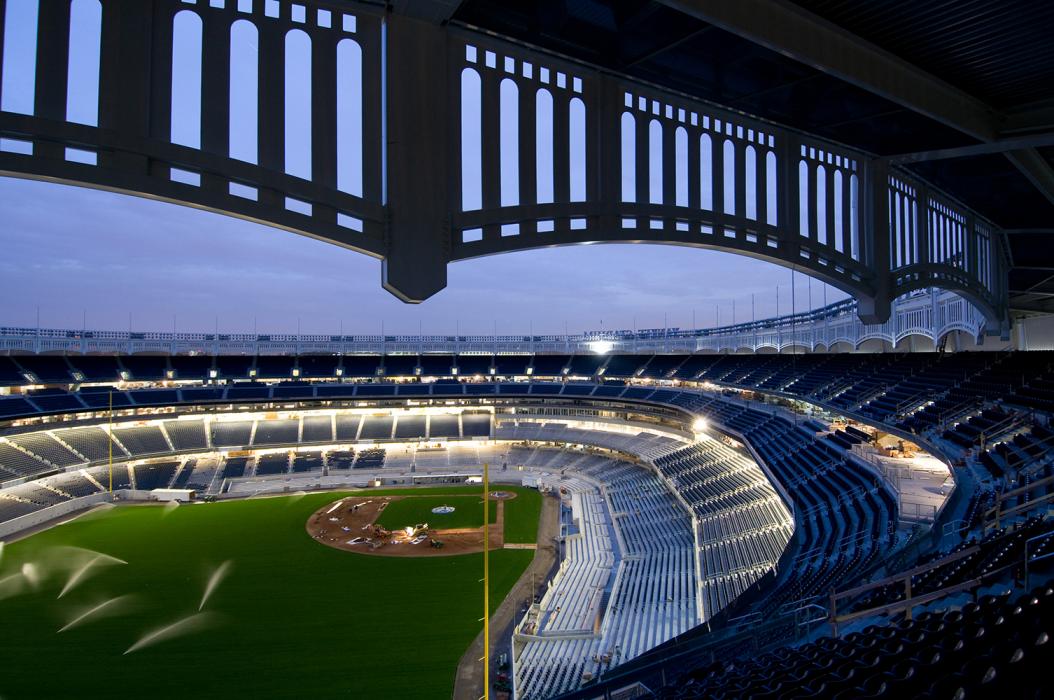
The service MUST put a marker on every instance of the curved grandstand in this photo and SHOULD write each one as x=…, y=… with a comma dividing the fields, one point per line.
x=705, y=499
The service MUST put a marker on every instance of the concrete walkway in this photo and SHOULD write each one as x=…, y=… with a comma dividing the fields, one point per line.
x=468, y=683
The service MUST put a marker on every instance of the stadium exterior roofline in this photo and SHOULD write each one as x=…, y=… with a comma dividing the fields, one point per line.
x=930, y=314
x=624, y=160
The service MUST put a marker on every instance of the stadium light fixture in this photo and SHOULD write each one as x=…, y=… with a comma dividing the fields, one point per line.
x=601, y=347
x=700, y=425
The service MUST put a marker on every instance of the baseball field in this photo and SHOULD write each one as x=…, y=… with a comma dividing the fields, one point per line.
x=235, y=599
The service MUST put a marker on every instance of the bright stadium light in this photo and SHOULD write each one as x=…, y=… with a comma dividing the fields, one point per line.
x=601, y=347
x=700, y=425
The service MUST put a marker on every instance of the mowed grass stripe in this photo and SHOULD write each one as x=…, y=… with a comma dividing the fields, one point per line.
x=521, y=515
x=294, y=618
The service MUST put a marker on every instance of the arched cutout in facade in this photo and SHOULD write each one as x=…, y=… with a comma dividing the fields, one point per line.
x=298, y=104
x=728, y=180
x=895, y=230
x=577, y=144
x=509, y=143
x=803, y=198
x=349, y=117
x=186, y=79
x=750, y=174
x=681, y=165
x=629, y=158
x=654, y=162
x=82, y=85
x=18, y=86
x=244, y=95
x=706, y=173
x=821, y=205
x=837, y=194
x=543, y=146
x=771, y=181
x=854, y=227
x=471, y=141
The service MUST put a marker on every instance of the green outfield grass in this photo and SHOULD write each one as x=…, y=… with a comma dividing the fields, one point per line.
x=521, y=515
x=293, y=618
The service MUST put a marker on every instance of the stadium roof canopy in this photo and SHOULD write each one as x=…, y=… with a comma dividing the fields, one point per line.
x=962, y=91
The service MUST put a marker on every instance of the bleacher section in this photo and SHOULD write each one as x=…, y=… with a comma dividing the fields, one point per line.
x=157, y=475
x=186, y=434
x=341, y=459
x=184, y=474
x=46, y=447
x=915, y=391
x=410, y=427
x=93, y=443
x=642, y=443
x=231, y=433
x=276, y=432
x=999, y=646
x=844, y=516
x=376, y=428
x=272, y=464
x=743, y=524
x=318, y=429
x=307, y=462
x=12, y=506
x=372, y=458
x=348, y=427
x=998, y=549
x=626, y=581
x=74, y=484
x=443, y=426
x=16, y=463
x=475, y=424
x=121, y=477
x=142, y=440
x=235, y=467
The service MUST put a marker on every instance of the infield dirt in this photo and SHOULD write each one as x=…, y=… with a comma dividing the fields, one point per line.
x=350, y=524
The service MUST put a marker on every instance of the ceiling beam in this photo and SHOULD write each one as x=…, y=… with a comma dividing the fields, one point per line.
x=980, y=149
x=663, y=48
x=1035, y=117
x=1036, y=168
x=435, y=11
x=812, y=40
x=1026, y=293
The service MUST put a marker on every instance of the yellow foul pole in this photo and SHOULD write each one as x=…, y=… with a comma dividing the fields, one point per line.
x=486, y=582
x=109, y=442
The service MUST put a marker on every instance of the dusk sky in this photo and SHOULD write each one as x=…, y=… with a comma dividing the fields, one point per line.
x=71, y=251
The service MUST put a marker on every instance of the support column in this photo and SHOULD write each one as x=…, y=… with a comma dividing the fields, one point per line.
x=605, y=162
x=875, y=308
x=271, y=110
x=216, y=96
x=418, y=172
x=53, y=28
x=125, y=89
